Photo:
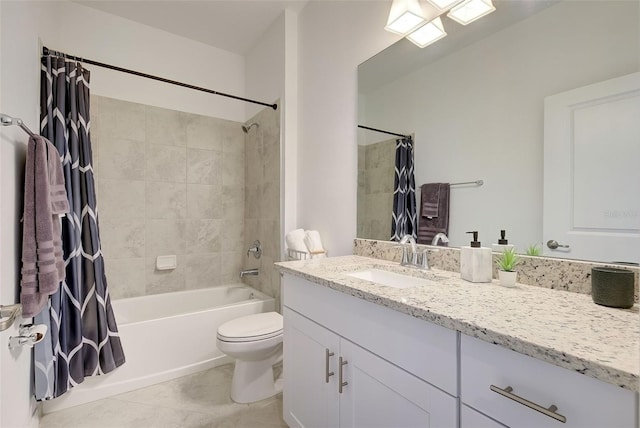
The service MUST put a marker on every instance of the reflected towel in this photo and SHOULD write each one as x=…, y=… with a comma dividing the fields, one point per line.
x=42, y=264
x=295, y=240
x=313, y=242
x=434, y=214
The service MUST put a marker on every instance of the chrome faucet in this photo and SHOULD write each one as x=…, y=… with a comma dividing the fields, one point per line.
x=440, y=237
x=418, y=260
x=249, y=272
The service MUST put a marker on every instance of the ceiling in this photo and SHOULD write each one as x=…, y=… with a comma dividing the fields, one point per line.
x=232, y=25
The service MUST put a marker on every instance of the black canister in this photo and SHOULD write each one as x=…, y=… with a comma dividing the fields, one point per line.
x=612, y=287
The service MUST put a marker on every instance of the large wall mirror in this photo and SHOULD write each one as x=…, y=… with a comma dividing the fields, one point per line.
x=475, y=103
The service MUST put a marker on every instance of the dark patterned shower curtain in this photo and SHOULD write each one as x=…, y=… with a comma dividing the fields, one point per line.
x=83, y=337
x=404, y=220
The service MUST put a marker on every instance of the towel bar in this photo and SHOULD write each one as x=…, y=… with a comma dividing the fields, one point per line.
x=8, y=315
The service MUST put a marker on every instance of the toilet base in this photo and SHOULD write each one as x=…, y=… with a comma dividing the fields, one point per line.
x=253, y=381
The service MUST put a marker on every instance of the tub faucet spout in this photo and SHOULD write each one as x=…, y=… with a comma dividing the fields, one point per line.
x=249, y=272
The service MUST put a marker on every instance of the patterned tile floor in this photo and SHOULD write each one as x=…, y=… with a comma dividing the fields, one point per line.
x=200, y=400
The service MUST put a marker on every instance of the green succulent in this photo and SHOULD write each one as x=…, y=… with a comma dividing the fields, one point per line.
x=508, y=260
x=533, y=250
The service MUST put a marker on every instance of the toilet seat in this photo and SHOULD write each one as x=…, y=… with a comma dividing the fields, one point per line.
x=251, y=328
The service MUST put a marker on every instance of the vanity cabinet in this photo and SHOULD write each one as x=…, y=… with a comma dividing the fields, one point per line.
x=349, y=363
x=496, y=382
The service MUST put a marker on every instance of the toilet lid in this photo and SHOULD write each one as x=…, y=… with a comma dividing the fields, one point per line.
x=251, y=327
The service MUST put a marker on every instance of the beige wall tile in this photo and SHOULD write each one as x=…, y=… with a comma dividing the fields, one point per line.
x=232, y=137
x=121, y=199
x=270, y=201
x=122, y=119
x=204, y=167
x=166, y=163
x=122, y=238
x=204, y=201
x=166, y=127
x=164, y=281
x=204, y=132
x=233, y=235
x=203, y=236
x=122, y=159
x=125, y=277
x=233, y=169
x=231, y=266
x=164, y=237
x=233, y=203
x=253, y=201
x=203, y=270
x=166, y=200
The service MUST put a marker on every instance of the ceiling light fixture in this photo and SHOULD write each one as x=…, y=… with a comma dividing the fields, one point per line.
x=405, y=16
x=443, y=4
x=470, y=10
x=428, y=33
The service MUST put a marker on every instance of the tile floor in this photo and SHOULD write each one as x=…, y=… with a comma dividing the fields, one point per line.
x=196, y=401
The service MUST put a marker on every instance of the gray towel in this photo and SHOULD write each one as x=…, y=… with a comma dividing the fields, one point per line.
x=42, y=264
x=434, y=211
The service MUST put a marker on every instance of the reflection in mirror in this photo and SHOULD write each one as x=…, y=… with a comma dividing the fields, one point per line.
x=474, y=103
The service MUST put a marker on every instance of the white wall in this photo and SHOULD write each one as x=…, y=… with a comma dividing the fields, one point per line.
x=82, y=31
x=334, y=37
x=478, y=112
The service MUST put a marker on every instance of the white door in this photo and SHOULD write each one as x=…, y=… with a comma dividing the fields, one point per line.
x=591, y=202
x=310, y=396
x=379, y=394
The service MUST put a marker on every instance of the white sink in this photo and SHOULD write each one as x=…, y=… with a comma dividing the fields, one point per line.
x=390, y=279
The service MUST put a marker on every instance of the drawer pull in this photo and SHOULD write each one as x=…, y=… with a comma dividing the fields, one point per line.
x=550, y=411
x=327, y=373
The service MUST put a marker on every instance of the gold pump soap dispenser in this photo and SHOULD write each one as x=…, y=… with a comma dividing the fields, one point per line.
x=475, y=261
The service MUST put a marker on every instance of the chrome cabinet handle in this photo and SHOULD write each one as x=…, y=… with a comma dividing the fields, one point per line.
x=549, y=411
x=553, y=244
x=326, y=361
x=341, y=384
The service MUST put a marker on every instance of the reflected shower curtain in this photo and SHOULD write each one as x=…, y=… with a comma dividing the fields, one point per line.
x=83, y=337
x=404, y=218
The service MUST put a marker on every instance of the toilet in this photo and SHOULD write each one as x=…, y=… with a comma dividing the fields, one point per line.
x=255, y=341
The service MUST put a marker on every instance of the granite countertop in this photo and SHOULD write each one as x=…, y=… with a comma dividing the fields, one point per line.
x=562, y=328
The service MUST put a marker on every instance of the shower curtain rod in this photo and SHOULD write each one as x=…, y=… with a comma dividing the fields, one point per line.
x=383, y=131
x=47, y=51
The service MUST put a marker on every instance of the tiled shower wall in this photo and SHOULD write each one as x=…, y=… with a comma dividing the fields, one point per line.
x=262, y=200
x=168, y=182
x=376, y=167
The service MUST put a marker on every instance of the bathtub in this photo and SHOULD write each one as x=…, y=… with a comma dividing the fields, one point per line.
x=165, y=336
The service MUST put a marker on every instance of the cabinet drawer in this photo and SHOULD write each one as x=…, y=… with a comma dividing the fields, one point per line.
x=424, y=349
x=583, y=401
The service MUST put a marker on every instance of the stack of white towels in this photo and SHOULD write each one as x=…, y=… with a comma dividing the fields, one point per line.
x=305, y=241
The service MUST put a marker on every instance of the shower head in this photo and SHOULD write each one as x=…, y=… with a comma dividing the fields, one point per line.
x=246, y=128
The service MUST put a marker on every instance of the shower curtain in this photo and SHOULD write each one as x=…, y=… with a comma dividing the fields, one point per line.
x=404, y=219
x=83, y=337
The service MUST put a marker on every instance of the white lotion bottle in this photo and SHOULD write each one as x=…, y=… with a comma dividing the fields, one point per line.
x=503, y=243
x=475, y=261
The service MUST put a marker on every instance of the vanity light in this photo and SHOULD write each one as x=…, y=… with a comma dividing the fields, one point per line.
x=470, y=10
x=405, y=16
x=443, y=4
x=428, y=33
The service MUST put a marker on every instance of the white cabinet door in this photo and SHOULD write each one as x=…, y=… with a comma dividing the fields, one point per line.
x=379, y=394
x=308, y=399
x=591, y=175
x=469, y=418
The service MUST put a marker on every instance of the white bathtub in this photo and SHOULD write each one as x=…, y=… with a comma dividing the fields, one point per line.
x=165, y=336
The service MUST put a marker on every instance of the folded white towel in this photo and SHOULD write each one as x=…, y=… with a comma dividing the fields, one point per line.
x=313, y=242
x=295, y=240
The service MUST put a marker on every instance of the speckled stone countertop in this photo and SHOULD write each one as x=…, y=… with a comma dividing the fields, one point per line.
x=562, y=328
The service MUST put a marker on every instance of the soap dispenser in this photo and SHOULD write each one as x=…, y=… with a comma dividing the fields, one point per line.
x=503, y=243
x=475, y=261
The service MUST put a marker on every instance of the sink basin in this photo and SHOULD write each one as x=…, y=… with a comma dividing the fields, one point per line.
x=390, y=279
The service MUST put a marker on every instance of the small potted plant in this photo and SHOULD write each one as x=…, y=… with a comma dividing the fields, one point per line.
x=533, y=250
x=507, y=262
